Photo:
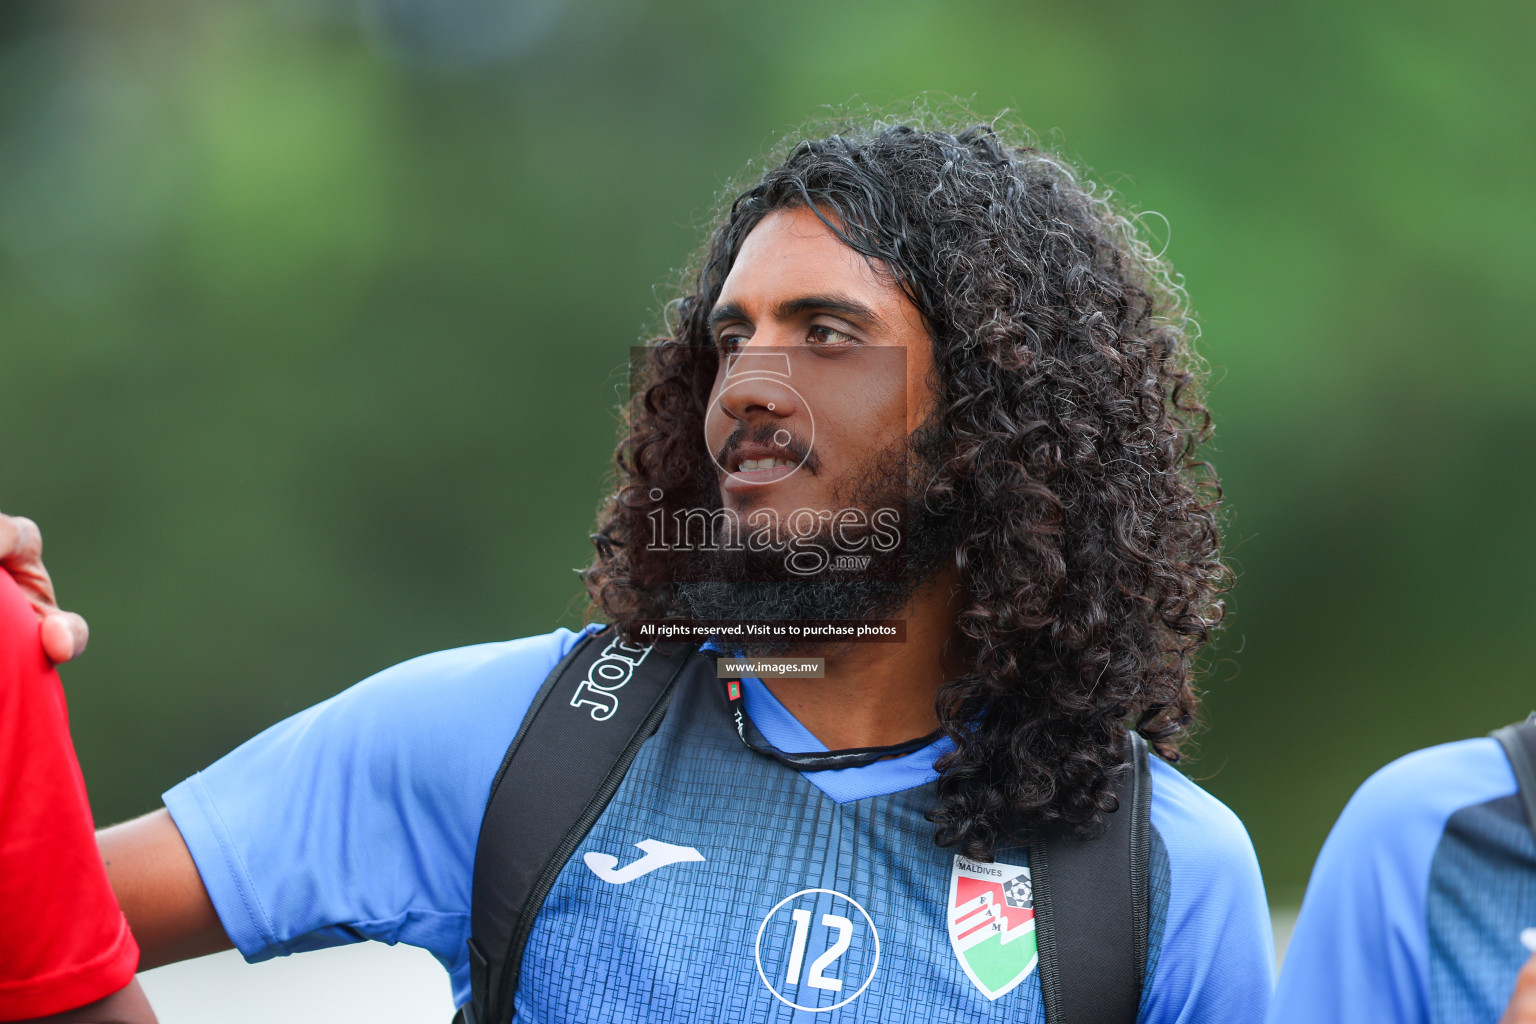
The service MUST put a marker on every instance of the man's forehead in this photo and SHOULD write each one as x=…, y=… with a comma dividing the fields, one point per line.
x=792, y=262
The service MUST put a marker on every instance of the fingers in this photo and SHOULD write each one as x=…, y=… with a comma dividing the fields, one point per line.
x=65, y=635
x=20, y=541
x=21, y=549
x=21, y=554
x=29, y=540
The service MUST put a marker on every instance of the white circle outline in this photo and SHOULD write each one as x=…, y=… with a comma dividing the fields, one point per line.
x=757, y=950
x=747, y=378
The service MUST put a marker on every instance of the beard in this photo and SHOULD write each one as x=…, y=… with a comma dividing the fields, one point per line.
x=737, y=585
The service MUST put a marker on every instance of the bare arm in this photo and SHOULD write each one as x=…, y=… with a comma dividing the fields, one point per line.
x=125, y=1006
x=160, y=891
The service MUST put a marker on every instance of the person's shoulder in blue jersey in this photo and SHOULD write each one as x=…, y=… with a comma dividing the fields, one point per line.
x=358, y=818
x=925, y=386
x=1416, y=904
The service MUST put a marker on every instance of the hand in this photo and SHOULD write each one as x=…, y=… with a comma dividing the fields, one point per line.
x=1522, y=1005
x=65, y=634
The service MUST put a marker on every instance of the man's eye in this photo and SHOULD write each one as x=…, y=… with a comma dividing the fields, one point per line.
x=731, y=342
x=823, y=335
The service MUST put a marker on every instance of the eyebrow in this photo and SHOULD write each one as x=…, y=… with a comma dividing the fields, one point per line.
x=849, y=309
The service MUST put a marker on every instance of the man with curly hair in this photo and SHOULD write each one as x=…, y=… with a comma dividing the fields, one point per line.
x=896, y=333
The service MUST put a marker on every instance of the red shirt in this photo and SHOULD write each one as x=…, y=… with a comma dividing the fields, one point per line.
x=63, y=939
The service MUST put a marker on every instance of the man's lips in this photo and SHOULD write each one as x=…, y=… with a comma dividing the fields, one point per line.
x=753, y=464
x=754, y=456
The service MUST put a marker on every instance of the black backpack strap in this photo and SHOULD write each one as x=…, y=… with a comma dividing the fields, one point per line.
x=582, y=732
x=1519, y=743
x=1093, y=906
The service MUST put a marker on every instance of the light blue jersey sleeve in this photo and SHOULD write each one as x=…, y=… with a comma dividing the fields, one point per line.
x=1217, y=959
x=358, y=818
x=1360, y=951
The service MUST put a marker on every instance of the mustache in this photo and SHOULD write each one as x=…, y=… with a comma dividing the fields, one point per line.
x=795, y=449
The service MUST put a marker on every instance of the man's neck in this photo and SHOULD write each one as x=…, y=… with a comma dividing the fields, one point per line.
x=879, y=694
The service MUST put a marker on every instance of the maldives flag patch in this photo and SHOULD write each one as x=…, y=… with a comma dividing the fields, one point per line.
x=992, y=924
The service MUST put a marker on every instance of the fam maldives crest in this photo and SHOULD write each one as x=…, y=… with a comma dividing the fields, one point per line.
x=992, y=924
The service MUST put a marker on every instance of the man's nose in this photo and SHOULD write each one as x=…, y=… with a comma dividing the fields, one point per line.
x=758, y=384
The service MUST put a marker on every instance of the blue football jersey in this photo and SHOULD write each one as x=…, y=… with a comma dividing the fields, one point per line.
x=1418, y=899
x=718, y=883
x=746, y=893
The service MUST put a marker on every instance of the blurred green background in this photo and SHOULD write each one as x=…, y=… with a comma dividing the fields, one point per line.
x=313, y=321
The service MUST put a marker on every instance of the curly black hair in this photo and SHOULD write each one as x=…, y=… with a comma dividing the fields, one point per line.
x=1071, y=411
